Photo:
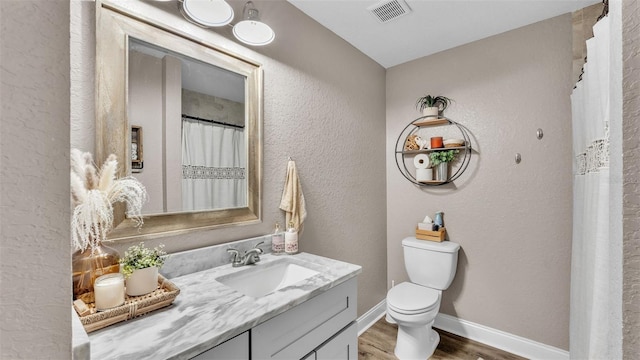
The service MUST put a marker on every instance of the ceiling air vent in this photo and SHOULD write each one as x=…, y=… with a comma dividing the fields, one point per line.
x=386, y=11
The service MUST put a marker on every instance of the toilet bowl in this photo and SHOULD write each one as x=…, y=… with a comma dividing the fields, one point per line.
x=414, y=305
x=414, y=309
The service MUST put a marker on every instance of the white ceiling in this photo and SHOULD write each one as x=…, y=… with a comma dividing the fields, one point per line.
x=432, y=25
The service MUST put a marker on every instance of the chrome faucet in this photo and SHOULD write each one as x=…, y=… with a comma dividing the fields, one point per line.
x=253, y=256
x=250, y=257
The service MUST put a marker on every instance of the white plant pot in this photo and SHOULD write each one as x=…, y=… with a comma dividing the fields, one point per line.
x=431, y=111
x=142, y=281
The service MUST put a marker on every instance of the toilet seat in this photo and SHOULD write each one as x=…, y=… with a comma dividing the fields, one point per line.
x=408, y=298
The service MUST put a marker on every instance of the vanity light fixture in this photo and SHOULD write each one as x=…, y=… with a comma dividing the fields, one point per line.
x=214, y=13
x=207, y=13
x=251, y=30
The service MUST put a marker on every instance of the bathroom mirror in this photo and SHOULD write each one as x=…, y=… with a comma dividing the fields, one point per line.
x=200, y=110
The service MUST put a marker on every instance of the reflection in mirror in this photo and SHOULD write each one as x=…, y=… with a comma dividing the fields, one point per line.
x=155, y=86
x=193, y=116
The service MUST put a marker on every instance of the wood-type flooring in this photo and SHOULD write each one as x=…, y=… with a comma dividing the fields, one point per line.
x=378, y=342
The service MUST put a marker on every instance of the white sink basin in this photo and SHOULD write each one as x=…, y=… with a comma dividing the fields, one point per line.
x=263, y=279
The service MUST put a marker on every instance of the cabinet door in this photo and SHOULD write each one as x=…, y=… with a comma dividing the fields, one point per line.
x=296, y=332
x=236, y=348
x=343, y=346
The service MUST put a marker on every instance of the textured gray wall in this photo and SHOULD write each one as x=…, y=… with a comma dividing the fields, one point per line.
x=146, y=96
x=202, y=105
x=323, y=106
x=631, y=176
x=512, y=221
x=35, y=260
x=613, y=327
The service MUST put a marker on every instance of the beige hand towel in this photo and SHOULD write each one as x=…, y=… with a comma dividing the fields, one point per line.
x=292, y=198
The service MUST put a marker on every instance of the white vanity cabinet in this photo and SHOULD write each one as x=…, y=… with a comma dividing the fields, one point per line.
x=320, y=328
x=236, y=348
x=308, y=317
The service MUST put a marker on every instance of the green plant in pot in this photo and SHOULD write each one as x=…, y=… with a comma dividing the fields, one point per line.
x=432, y=105
x=440, y=161
x=140, y=268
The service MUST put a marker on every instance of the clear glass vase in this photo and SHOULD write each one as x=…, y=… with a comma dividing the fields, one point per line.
x=90, y=264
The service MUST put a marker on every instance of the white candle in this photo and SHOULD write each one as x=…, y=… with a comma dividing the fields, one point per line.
x=109, y=291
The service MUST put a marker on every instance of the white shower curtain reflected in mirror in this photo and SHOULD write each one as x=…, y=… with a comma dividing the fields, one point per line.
x=213, y=166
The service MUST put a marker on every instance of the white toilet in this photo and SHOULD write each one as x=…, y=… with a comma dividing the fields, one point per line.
x=414, y=305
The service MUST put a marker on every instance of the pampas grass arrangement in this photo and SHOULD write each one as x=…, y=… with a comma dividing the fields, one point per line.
x=93, y=194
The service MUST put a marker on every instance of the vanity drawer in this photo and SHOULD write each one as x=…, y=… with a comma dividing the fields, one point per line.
x=295, y=333
x=236, y=348
x=343, y=346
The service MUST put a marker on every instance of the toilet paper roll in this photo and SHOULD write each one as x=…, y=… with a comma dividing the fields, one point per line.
x=421, y=161
x=423, y=174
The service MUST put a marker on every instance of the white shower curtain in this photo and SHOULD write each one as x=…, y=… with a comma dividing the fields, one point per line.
x=213, y=166
x=591, y=296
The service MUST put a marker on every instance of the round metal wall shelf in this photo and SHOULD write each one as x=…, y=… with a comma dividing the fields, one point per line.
x=459, y=165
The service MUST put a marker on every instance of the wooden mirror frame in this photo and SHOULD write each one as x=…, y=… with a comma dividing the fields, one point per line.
x=113, y=131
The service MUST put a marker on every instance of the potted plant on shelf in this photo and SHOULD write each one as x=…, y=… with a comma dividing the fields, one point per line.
x=432, y=105
x=440, y=161
x=140, y=268
x=93, y=194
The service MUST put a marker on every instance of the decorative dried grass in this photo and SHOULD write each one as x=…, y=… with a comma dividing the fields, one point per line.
x=93, y=194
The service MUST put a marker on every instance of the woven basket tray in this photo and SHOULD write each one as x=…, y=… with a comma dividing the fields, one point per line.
x=133, y=306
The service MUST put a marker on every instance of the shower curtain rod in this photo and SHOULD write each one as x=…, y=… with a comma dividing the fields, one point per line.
x=212, y=121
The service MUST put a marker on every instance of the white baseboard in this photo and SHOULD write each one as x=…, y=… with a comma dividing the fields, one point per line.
x=370, y=317
x=499, y=339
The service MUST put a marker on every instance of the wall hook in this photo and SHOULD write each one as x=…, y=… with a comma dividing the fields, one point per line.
x=518, y=158
x=539, y=134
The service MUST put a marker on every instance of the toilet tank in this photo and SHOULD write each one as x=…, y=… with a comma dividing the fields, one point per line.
x=429, y=263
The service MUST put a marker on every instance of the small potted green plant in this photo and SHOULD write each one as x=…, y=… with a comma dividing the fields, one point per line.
x=440, y=161
x=140, y=268
x=432, y=105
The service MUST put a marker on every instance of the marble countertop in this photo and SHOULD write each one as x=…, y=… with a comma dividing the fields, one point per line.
x=206, y=313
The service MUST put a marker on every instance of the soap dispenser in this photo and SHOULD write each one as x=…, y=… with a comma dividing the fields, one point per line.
x=277, y=241
x=291, y=240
